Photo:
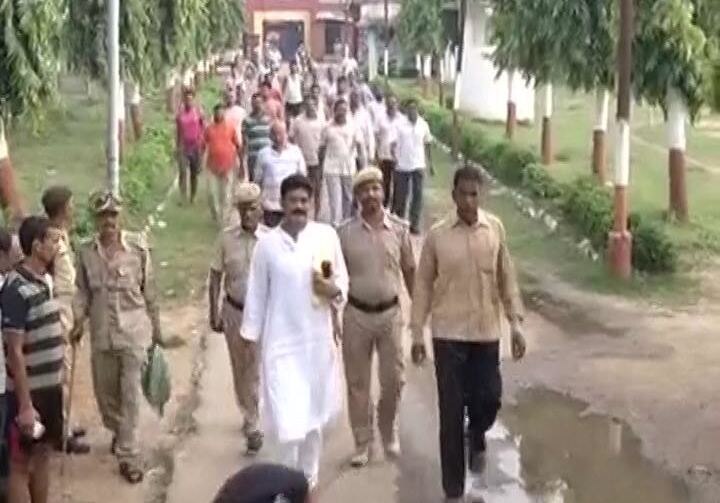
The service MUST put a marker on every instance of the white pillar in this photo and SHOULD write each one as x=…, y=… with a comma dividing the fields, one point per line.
x=548, y=101
x=386, y=62
x=114, y=103
x=622, y=154
x=602, y=104
x=427, y=66
x=418, y=64
x=458, y=91
x=677, y=116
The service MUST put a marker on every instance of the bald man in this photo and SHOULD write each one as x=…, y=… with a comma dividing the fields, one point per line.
x=275, y=163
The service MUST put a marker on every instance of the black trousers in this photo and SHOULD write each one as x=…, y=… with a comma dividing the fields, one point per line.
x=468, y=376
x=408, y=185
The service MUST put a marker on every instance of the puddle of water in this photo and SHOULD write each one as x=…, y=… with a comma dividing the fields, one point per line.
x=547, y=451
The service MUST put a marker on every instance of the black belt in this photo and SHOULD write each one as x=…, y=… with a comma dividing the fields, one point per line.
x=372, y=308
x=234, y=303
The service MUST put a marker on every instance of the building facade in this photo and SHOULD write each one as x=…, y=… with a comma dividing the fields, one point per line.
x=324, y=26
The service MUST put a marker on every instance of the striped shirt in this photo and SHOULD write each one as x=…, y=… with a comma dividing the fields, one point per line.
x=256, y=131
x=28, y=306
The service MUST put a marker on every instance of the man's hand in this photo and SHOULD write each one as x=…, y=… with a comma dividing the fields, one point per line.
x=324, y=287
x=418, y=353
x=518, y=344
x=76, y=334
x=26, y=420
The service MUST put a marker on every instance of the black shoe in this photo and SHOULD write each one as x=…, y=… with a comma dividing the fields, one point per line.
x=113, y=446
x=78, y=432
x=254, y=443
x=74, y=445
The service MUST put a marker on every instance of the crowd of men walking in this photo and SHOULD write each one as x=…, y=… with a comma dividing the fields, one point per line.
x=308, y=176
x=315, y=266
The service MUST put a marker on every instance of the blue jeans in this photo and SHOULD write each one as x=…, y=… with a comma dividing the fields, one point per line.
x=401, y=191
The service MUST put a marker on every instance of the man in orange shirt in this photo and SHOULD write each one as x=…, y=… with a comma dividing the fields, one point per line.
x=222, y=150
x=273, y=107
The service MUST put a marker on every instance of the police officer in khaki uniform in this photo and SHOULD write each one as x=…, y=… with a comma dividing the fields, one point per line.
x=116, y=291
x=232, y=263
x=378, y=253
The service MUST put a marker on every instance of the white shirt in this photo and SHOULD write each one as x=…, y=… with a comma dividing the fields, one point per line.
x=306, y=133
x=388, y=133
x=272, y=168
x=377, y=111
x=293, y=91
x=299, y=368
x=235, y=115
x=410, y=145
x=340, y=144
x=363, y=121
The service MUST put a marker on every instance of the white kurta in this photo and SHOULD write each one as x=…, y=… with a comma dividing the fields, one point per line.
x=300, y=374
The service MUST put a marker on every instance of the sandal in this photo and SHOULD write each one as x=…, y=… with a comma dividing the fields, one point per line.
x=131, y=473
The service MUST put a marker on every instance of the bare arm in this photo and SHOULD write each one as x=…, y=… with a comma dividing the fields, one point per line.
x=16, y=363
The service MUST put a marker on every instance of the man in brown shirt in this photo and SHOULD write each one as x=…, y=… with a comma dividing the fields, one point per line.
x=467, y=283
x=377, y=250
x=116, y=292
x=59, y=208
x=232, y=262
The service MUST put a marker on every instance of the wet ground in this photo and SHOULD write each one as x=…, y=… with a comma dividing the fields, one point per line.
x=545, y=448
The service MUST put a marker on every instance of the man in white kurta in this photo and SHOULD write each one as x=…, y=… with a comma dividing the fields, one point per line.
x=288, y=311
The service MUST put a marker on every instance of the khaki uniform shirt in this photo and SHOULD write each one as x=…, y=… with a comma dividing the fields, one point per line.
x=466, y=281
x=64, y=277
x=233, y=253
x=118, y=294
x=375, y=258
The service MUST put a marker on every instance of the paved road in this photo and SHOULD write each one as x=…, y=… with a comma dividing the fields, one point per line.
x=215, y=452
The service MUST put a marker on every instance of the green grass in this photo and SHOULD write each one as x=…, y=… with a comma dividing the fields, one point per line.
x=537, y=250
x=572, y=126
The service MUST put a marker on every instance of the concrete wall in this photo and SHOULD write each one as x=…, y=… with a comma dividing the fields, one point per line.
x=483, y=93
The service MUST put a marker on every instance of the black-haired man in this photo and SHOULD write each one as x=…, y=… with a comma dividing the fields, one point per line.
x=297, y=278
x=466, y=282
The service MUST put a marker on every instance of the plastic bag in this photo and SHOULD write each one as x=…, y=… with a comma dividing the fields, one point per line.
x=156, y=384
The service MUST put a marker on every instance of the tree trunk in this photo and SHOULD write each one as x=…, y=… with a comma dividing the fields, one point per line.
x=547, y=137
x=677, y=116
x=511, y=119
x=418, y=68
x=599, y=155
x=386, y=64
x=136, y=112
x=88, y=88
x=9, y=197
x=427, y=73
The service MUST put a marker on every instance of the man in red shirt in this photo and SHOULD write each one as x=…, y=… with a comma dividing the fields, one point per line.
x=221, y=155
x=189, y=123
x=273, y=106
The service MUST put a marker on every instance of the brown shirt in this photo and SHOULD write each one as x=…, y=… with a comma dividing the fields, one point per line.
x=466, y=281
x=64, y=281
x=118, y=294
x=376, y=257
x=233, y=253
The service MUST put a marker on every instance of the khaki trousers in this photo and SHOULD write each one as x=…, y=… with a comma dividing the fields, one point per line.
x=244, y=361
x=364, y=333
x=219, y=188
x=116, y=379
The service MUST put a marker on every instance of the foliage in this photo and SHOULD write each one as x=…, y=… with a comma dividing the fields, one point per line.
x=555, y=40
x=669, y=51
x=28, y=55
x=583, y=203
x=420, y=26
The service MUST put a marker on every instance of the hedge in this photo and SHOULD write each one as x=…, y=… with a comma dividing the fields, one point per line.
x=584, y=204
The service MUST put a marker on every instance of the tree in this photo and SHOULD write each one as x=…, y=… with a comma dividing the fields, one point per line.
x=420, y=30
x=28, y=56
x=671, y=71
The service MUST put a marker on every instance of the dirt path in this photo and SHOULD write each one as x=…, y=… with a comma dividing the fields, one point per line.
x=94, y=478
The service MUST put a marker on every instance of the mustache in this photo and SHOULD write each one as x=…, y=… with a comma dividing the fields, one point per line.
x=299, y=212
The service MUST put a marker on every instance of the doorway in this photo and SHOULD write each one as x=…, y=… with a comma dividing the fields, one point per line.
x=289, y=34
